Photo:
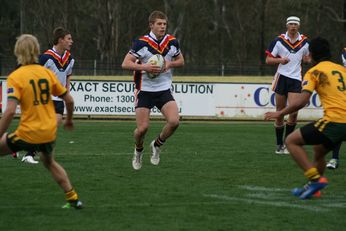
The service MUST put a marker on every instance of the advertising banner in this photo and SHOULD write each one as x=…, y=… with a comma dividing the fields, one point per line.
x=222, y=100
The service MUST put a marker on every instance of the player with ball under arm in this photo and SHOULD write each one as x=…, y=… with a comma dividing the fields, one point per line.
x=153, y=84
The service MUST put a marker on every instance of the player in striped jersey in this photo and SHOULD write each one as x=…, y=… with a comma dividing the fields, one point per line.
x=60, y=61
x=152, y=92
x=288, y=51
x=328, y=79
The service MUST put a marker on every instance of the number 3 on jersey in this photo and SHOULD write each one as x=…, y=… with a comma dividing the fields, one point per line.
x=341, y=80
x=41, y=91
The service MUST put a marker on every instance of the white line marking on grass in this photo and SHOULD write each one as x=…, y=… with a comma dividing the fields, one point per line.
x=259, y=188
x=334, y=204
x=268, y=196
x=271, y=203
x=336, y=201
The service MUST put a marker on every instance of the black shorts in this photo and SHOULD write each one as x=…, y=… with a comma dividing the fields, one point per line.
x=150, y=99
x=59, y=107
x=324, y=132
x=16, y=144
x=282, y=85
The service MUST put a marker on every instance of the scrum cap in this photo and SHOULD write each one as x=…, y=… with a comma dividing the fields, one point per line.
x=293, y=19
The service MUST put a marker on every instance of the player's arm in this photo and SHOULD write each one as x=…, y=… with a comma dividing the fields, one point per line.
x=69, y=103
x=176, y=62
x=296, y=104
x=276, y=60
x=273, y=55
x=307, y=59
x=8, y=115
x=130, y=63
x=68, y=83
x=61, y=91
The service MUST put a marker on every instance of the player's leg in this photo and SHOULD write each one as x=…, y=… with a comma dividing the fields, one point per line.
x=59, y=119
x=294, y=88
x=281, y=101
x=334, y=162
x=171, y=113
x=292, y=118
x=142, y=122
x=57, y=171
x=309, y=135
x=319, y=157
x=60, y=176
x=294, y=143
x=4, y=149
x=59, y=107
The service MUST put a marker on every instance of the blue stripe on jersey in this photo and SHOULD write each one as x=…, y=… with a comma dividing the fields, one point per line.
x=293, y=48
x=45, y=57
x=139, y=44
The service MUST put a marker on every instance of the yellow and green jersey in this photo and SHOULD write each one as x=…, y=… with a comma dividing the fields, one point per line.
x=32, y=86
x=328, y=79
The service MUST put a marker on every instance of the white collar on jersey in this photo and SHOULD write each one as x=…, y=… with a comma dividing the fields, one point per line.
x=152, y=35
x=56, y=52
x=293, y=41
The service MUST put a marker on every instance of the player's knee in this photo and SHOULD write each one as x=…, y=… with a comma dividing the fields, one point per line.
x=291, y=122
x=288, y=140
x=174, y=123
x=292, y=119
x=293, y=139
x=279, y=122
x=47, y=162
x=141, y=130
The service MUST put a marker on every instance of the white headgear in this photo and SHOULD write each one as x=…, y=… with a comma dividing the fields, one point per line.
x=293, y=19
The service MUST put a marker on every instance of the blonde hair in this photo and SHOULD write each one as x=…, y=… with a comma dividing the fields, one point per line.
x=27, y=49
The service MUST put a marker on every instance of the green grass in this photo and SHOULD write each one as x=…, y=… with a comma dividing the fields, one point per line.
x=212, y=176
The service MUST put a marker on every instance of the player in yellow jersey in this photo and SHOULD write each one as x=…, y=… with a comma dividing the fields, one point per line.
x=333, y=163
x=30, y=86
x=328, y=79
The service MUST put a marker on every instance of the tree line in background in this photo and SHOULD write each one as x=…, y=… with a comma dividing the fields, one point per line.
x=230, y=34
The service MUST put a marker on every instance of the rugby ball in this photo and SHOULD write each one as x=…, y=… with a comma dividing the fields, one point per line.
x=157, y=60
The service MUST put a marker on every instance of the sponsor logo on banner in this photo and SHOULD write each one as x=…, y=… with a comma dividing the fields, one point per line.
x=264, y=97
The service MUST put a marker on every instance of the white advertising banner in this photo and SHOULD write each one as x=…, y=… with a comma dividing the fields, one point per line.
x=223, y=100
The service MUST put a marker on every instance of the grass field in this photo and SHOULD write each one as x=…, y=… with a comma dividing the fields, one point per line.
x=212, y=176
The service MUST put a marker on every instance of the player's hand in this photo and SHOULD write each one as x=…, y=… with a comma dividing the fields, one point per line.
x=307, y=59
x=151, y=68
x=68, y=125
x=284, y=60
x=167, y=66
x=272, y=115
